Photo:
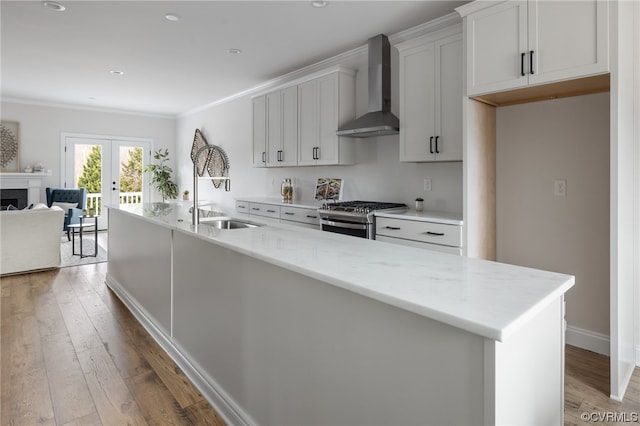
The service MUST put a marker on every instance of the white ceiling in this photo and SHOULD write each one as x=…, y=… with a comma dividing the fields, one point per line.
x=173, y=67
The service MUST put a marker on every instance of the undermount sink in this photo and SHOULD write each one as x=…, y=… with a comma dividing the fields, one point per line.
x=227, y=223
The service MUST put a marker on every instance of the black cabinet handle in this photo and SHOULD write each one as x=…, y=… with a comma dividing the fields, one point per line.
x=271, y=211
x=439, y=234
x=242, y=207
x=395, y=228
x=312, y=217
x=289, y=213
x=280, y=155
x=437, y=151
x=431, y=145
x=255, y=208
x=264, y=157
x=531, y=62
x=522, y=64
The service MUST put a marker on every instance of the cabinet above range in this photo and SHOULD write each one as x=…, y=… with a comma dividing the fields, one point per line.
x=295, y=125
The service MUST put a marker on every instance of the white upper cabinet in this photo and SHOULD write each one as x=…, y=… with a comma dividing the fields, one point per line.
x=296, y=125
x=259, y=131
x=431, y=80
x=517, y=43
x=325, y=103
x=282, y=127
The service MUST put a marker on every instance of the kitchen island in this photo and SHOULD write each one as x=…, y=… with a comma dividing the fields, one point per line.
x=283, y=325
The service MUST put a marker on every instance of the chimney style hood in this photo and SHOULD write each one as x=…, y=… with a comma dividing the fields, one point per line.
x=379, y=121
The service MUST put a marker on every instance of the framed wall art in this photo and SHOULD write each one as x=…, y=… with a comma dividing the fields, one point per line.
x=328, y=189
x=9, y=146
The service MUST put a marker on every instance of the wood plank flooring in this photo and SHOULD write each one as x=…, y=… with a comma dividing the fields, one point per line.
x=72, y=354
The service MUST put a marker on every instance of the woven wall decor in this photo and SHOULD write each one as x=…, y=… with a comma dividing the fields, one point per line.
x=9, y=146
x=213, y=159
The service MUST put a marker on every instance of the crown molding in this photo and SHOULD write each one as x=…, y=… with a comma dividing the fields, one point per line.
x=33, y=102
x=318, y=67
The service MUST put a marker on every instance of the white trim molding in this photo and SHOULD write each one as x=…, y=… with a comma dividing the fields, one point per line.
x=589, y=340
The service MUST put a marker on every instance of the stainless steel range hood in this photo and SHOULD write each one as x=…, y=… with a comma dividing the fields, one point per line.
x=379, y=121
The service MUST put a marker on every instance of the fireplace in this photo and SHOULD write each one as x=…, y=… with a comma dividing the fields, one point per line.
x=16, y=197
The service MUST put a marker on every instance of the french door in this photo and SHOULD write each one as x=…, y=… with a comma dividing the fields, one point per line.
x=109, y=168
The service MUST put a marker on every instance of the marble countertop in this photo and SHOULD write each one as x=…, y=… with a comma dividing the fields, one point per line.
x=486, y=298
x=426, y=216
x=306, y=204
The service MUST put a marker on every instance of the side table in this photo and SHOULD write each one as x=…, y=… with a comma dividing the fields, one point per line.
x=78, y=228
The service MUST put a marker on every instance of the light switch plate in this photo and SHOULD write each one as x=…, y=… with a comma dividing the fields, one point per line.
x=427, y=184
x=560, y=187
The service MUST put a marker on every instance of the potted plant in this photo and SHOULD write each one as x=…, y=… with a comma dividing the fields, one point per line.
x=161, y=176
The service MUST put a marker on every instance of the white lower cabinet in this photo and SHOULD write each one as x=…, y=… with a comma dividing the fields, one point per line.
x=300, y=215
x=266, y=210
x=417, y=233
x=306, y=217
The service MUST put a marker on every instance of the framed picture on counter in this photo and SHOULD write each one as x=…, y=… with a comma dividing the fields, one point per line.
x=329, y=189
x=9, y=146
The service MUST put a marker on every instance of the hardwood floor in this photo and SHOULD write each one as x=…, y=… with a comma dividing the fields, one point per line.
x=72, y=354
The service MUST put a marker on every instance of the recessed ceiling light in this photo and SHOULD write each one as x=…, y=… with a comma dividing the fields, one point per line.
x=55, y=6
x=234, y=51
x=318, y=3
x=116, y=72
x=172, y=17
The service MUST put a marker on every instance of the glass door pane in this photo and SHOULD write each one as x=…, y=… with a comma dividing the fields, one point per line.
x=129, y=183
x=86, y=169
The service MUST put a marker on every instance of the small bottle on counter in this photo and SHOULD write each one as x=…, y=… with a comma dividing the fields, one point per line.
x=286, y=190
x=419, y=204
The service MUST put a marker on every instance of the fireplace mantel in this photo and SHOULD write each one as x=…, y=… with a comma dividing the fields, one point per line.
x=29, y=181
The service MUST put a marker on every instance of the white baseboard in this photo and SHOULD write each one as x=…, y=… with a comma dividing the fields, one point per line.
x=638, y=355
x=214, y=394
x=590, y=340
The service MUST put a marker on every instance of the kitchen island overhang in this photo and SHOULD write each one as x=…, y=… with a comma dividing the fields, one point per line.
x=487, y=305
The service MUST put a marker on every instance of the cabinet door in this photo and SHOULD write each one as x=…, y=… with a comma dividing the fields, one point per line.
x=417, y=103
x=274, y=128
x=289, y=108
x=448, y=111
x=569, y=39
x=328, y=142
x=496, y=40
x=307, y=122
x=259, y=131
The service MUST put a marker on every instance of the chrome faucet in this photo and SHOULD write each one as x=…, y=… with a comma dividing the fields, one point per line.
x=195, y=211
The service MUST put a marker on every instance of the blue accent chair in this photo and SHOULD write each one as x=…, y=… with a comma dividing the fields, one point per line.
x=67, y=195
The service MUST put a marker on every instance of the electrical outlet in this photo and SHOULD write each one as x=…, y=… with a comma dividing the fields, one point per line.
x=427, y=184
x=560, y=187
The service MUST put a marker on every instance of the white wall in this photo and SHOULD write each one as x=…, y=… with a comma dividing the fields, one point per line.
x=377, y=175
x=41, y=127
x=538, y=143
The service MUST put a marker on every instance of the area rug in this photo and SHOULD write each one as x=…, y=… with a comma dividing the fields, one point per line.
x=69, y=259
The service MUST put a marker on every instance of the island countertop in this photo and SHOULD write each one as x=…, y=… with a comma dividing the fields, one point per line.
x=486, y=298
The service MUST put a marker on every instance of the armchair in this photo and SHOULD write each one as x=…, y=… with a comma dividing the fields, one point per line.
x=77, y=196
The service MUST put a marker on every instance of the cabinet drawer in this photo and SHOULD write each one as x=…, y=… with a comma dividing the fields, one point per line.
x=427, y=246
x=298, y=214
x=242, y=207
x=267, y=210
x=427, y=232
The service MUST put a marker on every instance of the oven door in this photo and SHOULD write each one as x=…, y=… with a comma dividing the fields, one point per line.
x=345, y=227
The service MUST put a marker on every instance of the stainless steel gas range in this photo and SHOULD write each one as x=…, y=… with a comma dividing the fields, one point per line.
x=354, y=218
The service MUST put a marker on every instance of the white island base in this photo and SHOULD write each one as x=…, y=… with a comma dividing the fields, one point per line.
x=269, y=345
